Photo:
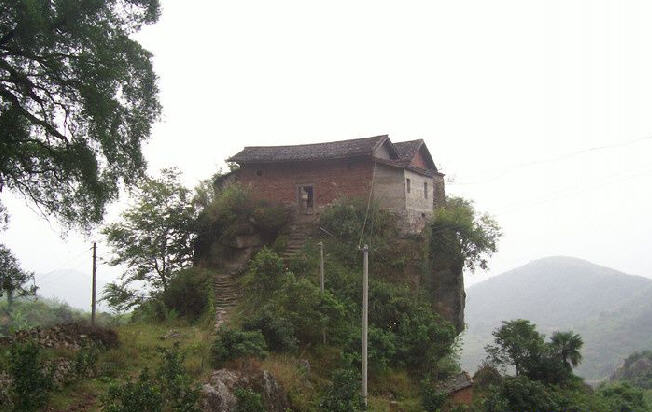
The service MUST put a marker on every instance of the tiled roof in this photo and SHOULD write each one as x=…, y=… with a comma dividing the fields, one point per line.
x=316, y=151
x=456, y=383
x=407, y=150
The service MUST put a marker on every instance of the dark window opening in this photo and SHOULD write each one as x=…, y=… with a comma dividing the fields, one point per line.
x=425, y=189
x=407, y=185
x=259, y=172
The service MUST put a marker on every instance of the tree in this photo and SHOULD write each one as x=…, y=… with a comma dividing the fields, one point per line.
x=567, y=346
x=460, y=237
x=77, y=98
x=13, y=279
x=517, y=343
x=153, y=239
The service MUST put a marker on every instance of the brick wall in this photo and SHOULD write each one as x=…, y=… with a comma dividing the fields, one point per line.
x=331, y=179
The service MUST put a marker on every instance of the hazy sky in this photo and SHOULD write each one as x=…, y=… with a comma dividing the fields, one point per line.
x=540, y=111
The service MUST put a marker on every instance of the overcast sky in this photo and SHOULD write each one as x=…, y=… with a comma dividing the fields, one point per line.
x=540, y=111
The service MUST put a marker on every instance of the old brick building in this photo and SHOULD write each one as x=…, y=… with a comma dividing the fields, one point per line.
x=400, y=176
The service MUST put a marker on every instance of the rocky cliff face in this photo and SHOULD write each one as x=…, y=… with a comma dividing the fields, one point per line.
x=448, y=296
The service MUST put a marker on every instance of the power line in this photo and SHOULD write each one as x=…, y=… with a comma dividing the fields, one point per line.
x=565, y=156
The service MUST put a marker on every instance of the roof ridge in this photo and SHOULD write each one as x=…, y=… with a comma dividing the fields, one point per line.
x=320, y=143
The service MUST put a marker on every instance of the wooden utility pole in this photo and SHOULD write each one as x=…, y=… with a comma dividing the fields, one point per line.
x=93, y=303
x=365, y=310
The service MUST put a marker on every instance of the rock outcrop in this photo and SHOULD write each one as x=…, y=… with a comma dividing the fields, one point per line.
x=219, y=393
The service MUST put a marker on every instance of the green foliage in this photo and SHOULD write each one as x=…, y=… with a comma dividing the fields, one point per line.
x=170, y=388
x=176, y=386
x=85, y=363
x=13, y=283
x=623, y=398
x=30, y=384
x=486, y=376
x=190, y=293
x=432, y=399
x=142, y=395
x=278, y=331
x=460, y=237
x=266, y=270
x=233, y=344
x=153, y=240
x=78, y=96
x=248, y=401
x=521, y=394
x=345, y=220
x=517, y=343
x=343, y=394
x=232, y=211
x=636, y=370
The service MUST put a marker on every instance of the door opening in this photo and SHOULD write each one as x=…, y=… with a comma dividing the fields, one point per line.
x=306, y=198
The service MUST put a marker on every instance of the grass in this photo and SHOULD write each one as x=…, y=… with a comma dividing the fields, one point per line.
x=139, y=343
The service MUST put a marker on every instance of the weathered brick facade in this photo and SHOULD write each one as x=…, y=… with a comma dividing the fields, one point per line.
x=330, y=179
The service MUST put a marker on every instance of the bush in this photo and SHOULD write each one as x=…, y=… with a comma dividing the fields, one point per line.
x=521, y=394
x=432, y=399
x=278, y=331
x=266, y=270
x=85, y=363
x=345, y=219
x=169, y=389
x=190, y=293
x=343, y=394
x=30, y=384
x=248, y=401
x=142, y=395
x=233, y=344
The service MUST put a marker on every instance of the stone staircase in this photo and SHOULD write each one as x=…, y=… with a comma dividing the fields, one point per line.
x=300, y=232
x=227, y=294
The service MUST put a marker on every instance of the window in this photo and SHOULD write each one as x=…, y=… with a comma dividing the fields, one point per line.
x=259, y=172
x=425, y=189
x=407, y=185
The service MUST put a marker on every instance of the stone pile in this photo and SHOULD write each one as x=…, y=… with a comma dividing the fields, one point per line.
x=71, y=336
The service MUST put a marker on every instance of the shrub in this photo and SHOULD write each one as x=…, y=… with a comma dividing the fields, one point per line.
x=343, y=394
x=265, y=271
x=176, y=385
x=232, y=344
x=521, y=394
x=30, y=384
x=85, y=363
x=278, y=331
x=142, y=395
x=345, y=219
x=432, y=399
x=190, y=293
x=248, y=401
x=169, y=389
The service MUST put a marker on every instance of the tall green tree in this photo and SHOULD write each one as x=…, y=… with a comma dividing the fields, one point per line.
x=14, y=280
x=153, y=238
x=516, y=343
x=77, y=98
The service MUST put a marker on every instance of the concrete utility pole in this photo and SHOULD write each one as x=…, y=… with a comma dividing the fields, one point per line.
x=321, y=281
x=321, y=266
x=365, y=310
x=94, y=283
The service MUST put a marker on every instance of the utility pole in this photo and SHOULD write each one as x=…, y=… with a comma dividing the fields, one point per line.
x=94, y=283
x=321, y=266
x=365, y=310
x=321, y=281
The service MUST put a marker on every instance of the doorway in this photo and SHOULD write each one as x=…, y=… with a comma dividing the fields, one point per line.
x=306, y=198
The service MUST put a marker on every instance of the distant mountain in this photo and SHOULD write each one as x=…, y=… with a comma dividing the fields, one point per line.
x=70, y=286
x=611, y=310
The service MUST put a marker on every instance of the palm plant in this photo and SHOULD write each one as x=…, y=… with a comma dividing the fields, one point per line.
x=567, y=346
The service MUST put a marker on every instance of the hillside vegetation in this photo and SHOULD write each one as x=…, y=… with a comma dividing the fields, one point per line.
x=612, y=311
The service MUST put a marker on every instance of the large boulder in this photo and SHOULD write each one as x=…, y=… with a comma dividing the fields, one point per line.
x=219, y=393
